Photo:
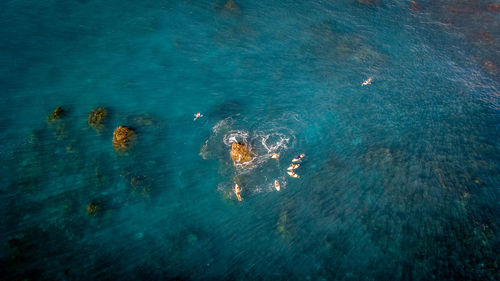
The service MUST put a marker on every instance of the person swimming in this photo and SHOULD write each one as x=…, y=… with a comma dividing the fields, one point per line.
x=277, y=185
x=367, y=82
x=197, y=115
x=275, y=155
x=293, y=174
x=237, y=191
x=297, y=158
x=293, y=166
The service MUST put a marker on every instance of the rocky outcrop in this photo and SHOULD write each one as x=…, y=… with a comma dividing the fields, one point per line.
x=122, y=137
x=56, y=115
x=240, y=153
x=96, y=117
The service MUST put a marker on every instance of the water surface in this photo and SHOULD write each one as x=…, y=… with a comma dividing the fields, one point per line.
x=400, y=179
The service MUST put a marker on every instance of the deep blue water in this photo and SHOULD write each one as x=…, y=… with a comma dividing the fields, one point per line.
x=400, y=179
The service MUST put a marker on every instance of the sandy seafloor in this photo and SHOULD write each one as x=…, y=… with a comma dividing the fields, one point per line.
x=400, y=179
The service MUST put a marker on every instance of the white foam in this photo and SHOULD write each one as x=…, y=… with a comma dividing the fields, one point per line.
x=235, y=136
x=280, y=141
x=203, y=151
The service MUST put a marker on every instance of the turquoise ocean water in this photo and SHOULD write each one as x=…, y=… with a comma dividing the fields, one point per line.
x=400, y=179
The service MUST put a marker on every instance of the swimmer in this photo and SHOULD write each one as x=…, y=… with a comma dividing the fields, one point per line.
x=197, y=115
x=275, y=155
x=293, y=166
x=297, y=158
x=277, y=185
x=237, y=191
x=367, y=82
x=293, y=174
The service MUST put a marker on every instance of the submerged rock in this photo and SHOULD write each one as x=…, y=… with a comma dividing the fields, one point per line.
x=61, y=131
x=281, y=225
x=369, y=2
x=191, y=238
x=60, y=127
x=122, y=137
x=240, y=153
x=378, y=157
x=232, y=7
x=57, y=114
x=92, y=208
x=142, y=185
x=142, y=120
x=96, y=117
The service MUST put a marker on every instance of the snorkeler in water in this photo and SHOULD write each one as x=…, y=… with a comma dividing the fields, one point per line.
x=197, y=115
x=297, y=158
x=237, y=191
x=367, y=82
x=293, y=166
x=275, y=155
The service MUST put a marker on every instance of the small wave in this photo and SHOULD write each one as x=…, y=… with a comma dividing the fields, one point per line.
x=224, y=123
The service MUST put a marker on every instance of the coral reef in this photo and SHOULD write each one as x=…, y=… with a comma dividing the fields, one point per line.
x=122, y=137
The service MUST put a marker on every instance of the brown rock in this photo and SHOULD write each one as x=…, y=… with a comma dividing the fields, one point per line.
x=240, y=153
x=58, y=112
x=96, y=117
x=122, y=137
x=92, y=208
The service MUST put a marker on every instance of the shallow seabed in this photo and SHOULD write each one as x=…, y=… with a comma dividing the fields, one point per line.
x=400, y=179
